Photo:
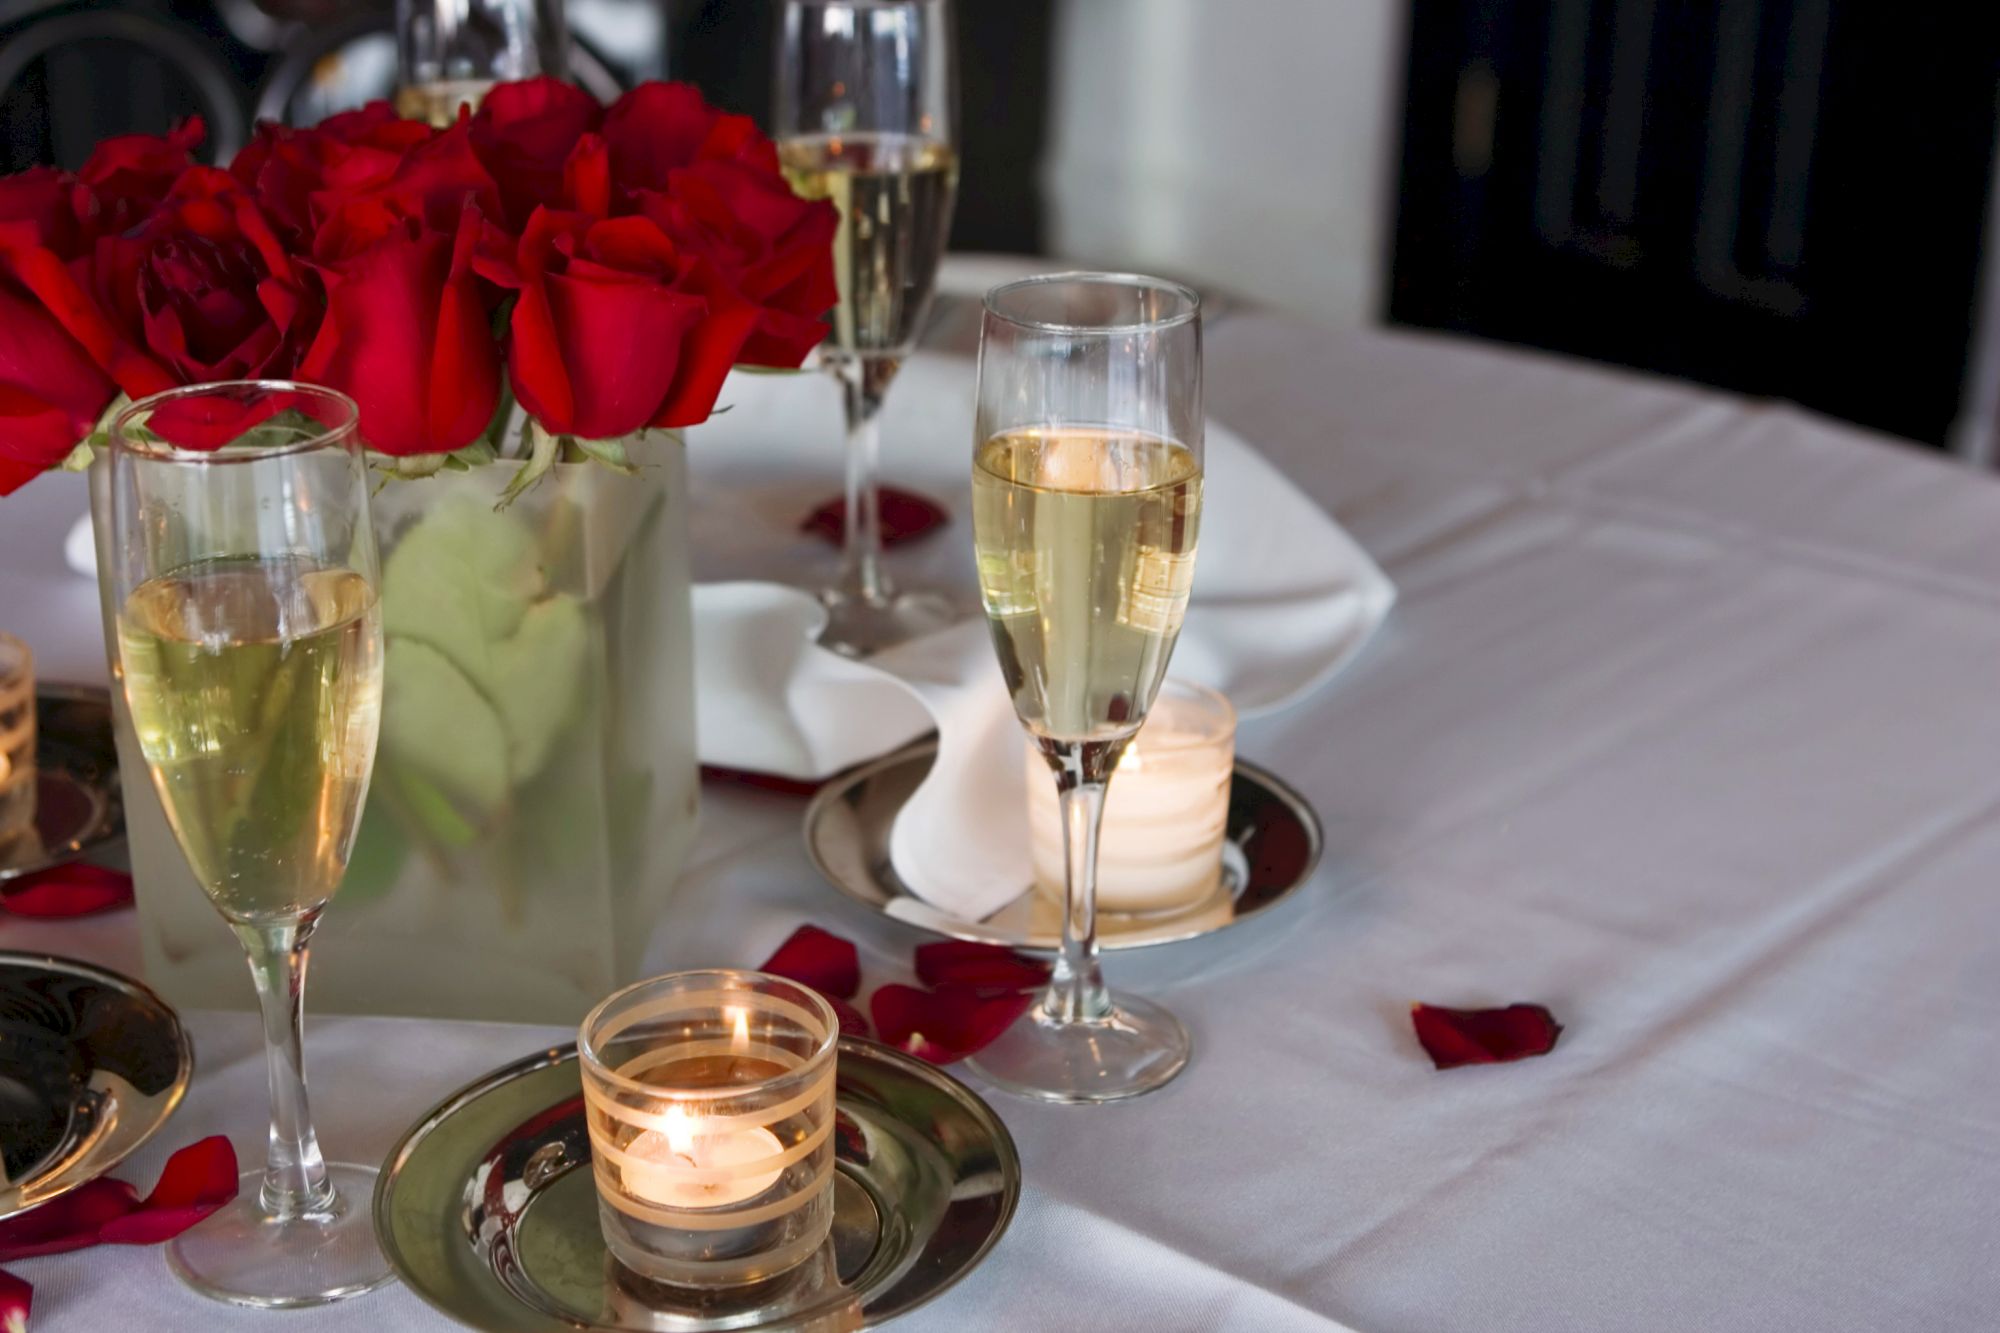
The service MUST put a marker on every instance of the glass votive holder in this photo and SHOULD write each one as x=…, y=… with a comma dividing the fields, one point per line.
x=17, y=739
x=1166, y=812
x=709, y=1100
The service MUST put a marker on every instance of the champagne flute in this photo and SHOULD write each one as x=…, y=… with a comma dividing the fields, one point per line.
x=1086, y=503
x=249, y=644
x=866, y=97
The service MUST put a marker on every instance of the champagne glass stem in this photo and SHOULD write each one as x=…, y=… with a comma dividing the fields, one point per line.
x=295, y=1180
x=863, y=381
x=1076, y=991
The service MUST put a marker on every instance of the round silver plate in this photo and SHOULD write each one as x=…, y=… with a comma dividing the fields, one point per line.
x=1272, y=844
x=91, y=1064
x=487, y=1208
x=76, y=781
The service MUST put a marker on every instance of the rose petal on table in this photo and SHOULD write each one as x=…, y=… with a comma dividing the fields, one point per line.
x=852, y=1024
x=75, y=888
x=906, y=516
x=1454, y=1037
x=982, y=966
x=68, y=1223
x=820, y=959
x=744, y=777
x=199, y=1179
x=15, y=1298
x=946, y=1024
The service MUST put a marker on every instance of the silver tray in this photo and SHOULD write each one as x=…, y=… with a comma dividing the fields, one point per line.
x=91, y=1064
x=927, y=1179
x=76, y=781
x=1272, y=844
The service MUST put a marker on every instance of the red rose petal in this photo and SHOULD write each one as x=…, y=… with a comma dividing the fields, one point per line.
x=946, y=1024
x=743, y=777
x=74, y=889
x=906, y=516
x=1454, y=1037
x=69, y=1223
x=852, y=1023
x=982, y=966
x=15, y=1298
x=813, y=957
x=198, y=1179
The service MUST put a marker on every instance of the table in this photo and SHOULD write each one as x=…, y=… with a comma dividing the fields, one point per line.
x=1687, y=725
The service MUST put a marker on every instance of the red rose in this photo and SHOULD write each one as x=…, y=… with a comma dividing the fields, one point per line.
x=524, y=132
x=406, y=331
x=43, y=198
x=586, y=178
x=51, y=392
x=29, y=262
x=431, y=184
x=775, y=248
x=375, y=126
x=127, y=177
x=284, y=168
x=615, y=328
x=658, y=127
x=206, y=287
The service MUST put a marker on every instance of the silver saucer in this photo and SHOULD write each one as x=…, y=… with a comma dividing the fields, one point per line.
x=1273, y=843
x=91, y=1064
x=487, y=1208
x=76, y=781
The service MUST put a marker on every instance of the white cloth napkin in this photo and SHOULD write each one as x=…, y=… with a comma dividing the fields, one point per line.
x=1282, y=599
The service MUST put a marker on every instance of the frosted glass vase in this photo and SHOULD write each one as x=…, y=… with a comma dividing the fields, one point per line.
x=536, y=789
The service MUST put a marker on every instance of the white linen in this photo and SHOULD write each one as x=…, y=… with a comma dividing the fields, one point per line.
x=1282, y=599
x=1686, y=725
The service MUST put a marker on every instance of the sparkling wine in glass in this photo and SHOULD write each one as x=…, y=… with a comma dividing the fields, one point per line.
x=1086, y=510
x=450, y=53
x=865, y=102
x=249, y=646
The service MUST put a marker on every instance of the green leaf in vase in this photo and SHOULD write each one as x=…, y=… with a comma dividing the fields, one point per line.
x=461, y=578
x=535, y=678
x=438, y=728
x=467, y=583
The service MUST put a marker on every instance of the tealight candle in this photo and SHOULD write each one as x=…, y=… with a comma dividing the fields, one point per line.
x=709, y=1101
x=1165, y=816
x=685, y=1167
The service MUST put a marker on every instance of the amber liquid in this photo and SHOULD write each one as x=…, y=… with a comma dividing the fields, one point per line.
x=1085, y=540
x=894, y=193
x=256, y=690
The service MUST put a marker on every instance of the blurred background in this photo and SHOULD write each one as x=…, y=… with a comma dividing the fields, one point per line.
x=1787, y=198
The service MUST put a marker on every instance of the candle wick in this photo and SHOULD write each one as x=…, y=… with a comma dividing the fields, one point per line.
x=688, y=1158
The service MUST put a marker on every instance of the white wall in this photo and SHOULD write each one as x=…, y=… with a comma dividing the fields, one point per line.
x=1248, y=144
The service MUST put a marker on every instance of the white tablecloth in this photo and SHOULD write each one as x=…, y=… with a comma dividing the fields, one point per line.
x=1687, y=725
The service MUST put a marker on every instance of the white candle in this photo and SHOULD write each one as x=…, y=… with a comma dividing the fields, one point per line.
x=1167, y=812
x=663, y=1171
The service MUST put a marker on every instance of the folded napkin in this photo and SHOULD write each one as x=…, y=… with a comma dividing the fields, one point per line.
x=1282, y=599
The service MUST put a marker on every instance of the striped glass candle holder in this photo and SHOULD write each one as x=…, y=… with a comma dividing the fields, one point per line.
x=17, y=739
x=709, y=1099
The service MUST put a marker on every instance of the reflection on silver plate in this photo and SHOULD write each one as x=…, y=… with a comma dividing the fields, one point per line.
x=487, y=1209
x=91, y=1064
x=1273, y=843
x=76, y=781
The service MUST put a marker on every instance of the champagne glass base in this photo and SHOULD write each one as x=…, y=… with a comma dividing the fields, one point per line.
x=1135, y=1049
x=858, y=626
x=241, y=1255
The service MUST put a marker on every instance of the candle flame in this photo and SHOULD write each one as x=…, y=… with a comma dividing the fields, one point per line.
x=680, y=1128
x=739, y=1041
